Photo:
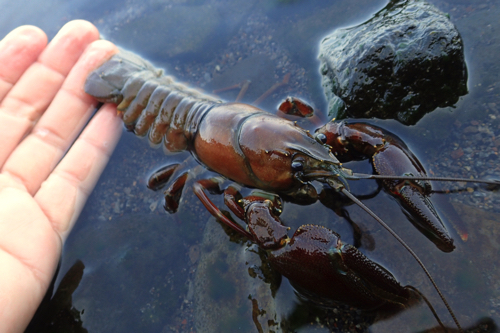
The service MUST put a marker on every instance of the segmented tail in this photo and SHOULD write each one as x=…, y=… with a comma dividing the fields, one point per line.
x=152, y=104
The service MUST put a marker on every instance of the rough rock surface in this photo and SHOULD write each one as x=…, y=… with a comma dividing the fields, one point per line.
x=402, y=63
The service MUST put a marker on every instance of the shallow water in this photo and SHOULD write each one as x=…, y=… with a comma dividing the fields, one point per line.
x=142, y=265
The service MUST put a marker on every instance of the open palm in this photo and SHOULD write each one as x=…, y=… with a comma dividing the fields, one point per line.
x=43, y=185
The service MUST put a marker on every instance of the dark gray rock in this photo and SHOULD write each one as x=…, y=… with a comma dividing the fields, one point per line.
x=404, y=62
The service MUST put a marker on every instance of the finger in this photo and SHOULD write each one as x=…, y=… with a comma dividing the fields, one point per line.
x=18, y=50
x=63, y=195
x=36, y=88
x=41, y=150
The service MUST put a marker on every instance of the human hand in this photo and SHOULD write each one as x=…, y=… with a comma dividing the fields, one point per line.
x=43, y=185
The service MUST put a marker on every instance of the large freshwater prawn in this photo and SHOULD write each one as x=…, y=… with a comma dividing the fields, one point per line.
x=261, y=150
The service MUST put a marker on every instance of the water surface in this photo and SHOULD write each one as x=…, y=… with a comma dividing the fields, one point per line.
x=141, y=264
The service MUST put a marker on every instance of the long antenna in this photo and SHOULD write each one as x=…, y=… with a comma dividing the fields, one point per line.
x=446, y=179
x=393, y=233
x=429, y=305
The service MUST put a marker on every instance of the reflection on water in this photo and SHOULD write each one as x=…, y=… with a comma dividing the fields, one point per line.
x=141, y=265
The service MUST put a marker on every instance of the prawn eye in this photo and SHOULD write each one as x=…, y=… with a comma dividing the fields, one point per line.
x=297, y=166
x=321, y=138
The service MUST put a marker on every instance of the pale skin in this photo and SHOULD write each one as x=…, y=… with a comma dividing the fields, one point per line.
x=43, y=185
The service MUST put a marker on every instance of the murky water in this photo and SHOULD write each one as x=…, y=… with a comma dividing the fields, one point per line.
x=146, y=270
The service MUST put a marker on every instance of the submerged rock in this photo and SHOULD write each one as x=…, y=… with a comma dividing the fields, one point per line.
x=402, y=63
x=232, y=292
